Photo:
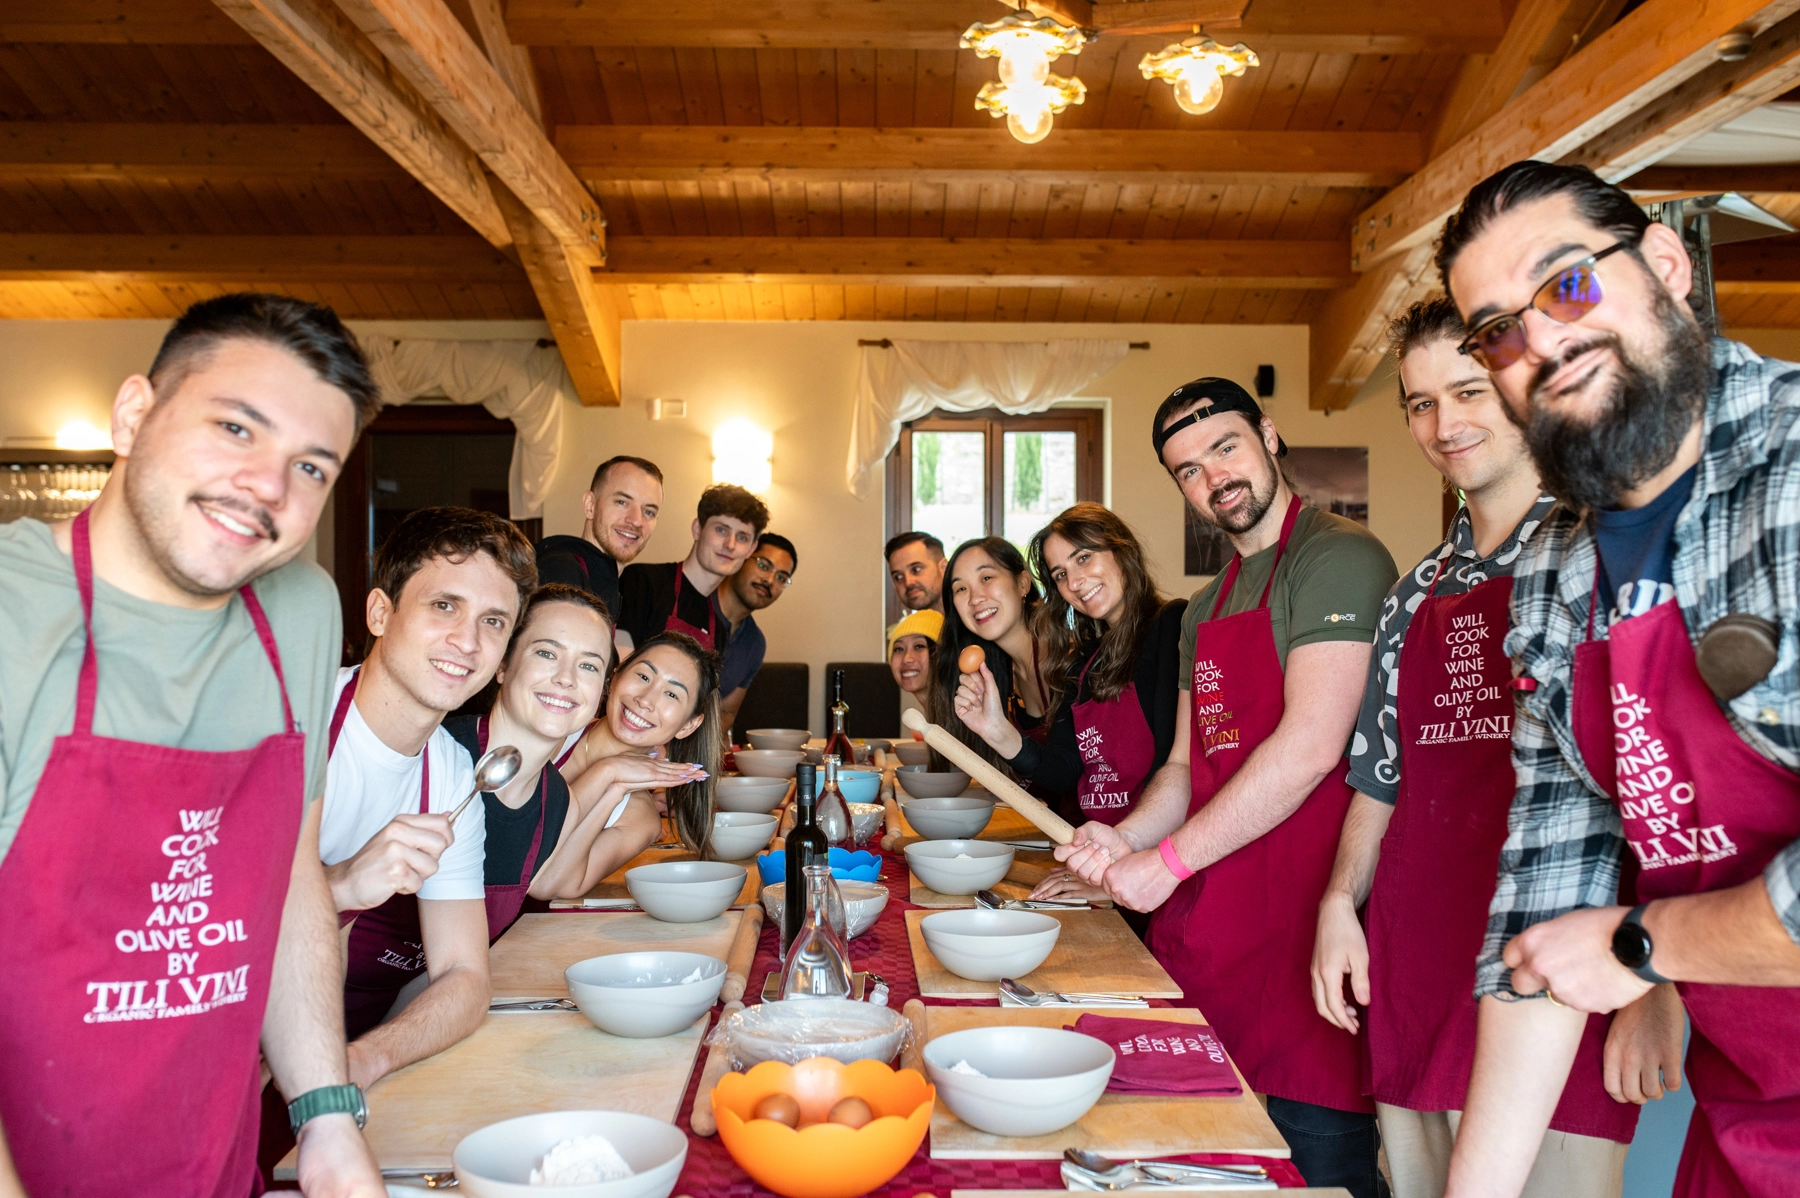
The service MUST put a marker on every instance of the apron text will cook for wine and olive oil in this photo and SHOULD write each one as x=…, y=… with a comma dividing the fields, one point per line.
x=1655, y=800
x=1474, y=668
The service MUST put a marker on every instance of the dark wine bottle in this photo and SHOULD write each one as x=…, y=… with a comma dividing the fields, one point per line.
x=805, y=845
x=839, y=740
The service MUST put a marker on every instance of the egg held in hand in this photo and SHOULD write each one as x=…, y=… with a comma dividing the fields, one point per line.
x=971, y=659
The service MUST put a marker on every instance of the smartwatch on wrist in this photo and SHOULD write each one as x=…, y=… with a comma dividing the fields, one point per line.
x=328, y=1100
x=1631, y=944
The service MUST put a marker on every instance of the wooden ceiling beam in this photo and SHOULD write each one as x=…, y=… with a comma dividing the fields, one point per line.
x=976, y=262
x=1648, y=53
x=429, y=47
x=1249, y=158
x=1781, y=178
x=1758, y=267
x=67, y=257
x=120, y=22
x=582, y=312
x=1268, y=26
x=329, y=54
x=86, y=150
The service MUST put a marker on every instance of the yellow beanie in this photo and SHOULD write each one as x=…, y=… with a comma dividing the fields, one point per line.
x=928, y=624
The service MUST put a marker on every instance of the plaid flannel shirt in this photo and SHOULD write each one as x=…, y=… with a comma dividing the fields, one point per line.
x=1737, y=549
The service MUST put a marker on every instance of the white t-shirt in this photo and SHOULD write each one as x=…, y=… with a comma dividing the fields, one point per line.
x=367, y=784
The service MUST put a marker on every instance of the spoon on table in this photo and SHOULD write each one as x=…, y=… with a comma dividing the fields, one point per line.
x=497, y=767
x=1166, y=1171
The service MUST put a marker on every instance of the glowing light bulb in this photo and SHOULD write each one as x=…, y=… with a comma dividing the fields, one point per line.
x=1199, y=91
x=79, y=434
x=741, y=453
x=1026, y=93
x=1030, y=123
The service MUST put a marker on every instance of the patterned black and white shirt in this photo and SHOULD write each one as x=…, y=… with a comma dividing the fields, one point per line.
x=1737, y=549
x=1375, y=749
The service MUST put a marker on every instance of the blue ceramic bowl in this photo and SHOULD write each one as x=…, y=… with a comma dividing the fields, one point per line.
x=860, y=866
x=860, y=786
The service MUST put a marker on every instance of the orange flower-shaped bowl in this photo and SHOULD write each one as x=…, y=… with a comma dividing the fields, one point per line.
x=820, y=1159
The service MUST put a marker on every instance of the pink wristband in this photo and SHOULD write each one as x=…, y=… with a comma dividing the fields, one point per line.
x=1172, y=859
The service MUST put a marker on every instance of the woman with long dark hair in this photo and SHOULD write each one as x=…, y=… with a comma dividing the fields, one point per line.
x=662, y=706
x=989, y=600
x=1113, y=645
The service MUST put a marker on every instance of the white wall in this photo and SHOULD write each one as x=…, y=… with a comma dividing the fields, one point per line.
x=797, y=380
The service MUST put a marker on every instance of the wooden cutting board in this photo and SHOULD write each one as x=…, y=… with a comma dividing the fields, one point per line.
x=514, y=1065
x=528, y=961
x=1119, y=1125
x=1096, y=953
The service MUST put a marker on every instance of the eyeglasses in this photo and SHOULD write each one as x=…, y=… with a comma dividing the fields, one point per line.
x=1565, y=297
x=768, y=567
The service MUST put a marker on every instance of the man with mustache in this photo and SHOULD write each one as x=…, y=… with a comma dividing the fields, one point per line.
x=166, y=667
x=916, y=568
x=1432, y=766
x=1656, y=643
x=619, y=513
x=1232, y=841
x=759, y=582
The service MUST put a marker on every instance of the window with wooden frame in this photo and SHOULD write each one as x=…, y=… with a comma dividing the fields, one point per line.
x=961, y=475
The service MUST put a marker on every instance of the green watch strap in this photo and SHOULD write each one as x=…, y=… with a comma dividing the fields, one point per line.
x=328, y=1100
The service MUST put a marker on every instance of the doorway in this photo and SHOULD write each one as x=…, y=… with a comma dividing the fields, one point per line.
x=414, y=456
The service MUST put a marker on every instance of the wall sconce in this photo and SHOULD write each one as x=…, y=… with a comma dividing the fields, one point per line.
x=1195, y=67
x=79, y=434
x=741, y=454
x=1026, y=94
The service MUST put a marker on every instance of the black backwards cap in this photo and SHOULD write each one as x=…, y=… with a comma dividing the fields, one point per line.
x=1214, y=396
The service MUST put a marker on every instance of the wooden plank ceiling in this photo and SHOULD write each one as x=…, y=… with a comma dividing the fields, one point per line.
x=779, y=161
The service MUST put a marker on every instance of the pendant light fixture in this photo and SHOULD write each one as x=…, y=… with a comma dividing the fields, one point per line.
x=1026, y=94
x=1195, y=67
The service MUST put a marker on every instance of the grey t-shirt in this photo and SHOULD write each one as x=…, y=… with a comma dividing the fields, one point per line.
x=168, y=675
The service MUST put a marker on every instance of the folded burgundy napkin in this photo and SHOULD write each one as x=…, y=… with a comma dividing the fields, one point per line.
x=1156, y=1057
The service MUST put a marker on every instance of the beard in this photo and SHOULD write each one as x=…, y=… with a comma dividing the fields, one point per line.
x=156, y=503
x=1262, y=494
x=1643, y=417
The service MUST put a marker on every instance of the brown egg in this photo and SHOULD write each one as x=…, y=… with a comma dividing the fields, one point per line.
x=780, y=1107
x=851, y=1112
x=971, y=659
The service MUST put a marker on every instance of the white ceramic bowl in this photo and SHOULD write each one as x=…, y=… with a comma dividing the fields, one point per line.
x=643, y=995
x=768, y=763
x=866, y=819
x=941, y=864
x=985, y=946
x=863, y=901
x=759, y=796
x=912, y=752
x=740, y=834
x=921, y=783
x=685, y=891
x=1039, y=1079
x=948, y=819
x=496, y=1162
x=778, y=738
x=815, y=1027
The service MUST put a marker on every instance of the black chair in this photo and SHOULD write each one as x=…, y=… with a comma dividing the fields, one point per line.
x=872, y=694
x=776, y=698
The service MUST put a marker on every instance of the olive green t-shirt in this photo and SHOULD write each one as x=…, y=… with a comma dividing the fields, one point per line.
x=168, y=675
x=1330, y=587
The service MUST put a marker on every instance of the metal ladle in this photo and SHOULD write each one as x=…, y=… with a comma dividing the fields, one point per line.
x=497, y=767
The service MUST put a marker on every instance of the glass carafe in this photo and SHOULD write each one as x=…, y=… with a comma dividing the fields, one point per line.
x=832, y=815
x=818, y=962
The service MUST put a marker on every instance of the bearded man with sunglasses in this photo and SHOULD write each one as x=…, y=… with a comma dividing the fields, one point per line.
x=1655, y=832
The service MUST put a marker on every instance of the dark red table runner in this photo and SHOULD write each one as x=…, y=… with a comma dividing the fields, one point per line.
x=711, y=1173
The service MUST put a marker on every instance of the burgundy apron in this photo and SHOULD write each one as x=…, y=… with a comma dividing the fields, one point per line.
x=1238, y=936
x=1702, y=811
x=143, y=898
x=387, y=949
x=504, y=903
x=1117, y=751
x=706, y=636
x=1428, y=908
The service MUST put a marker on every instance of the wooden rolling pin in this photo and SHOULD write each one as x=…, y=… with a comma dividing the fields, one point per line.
x=998, y=784
x=743, y=952
x=895, y=831
x=913, y=1055
x=718, y=1064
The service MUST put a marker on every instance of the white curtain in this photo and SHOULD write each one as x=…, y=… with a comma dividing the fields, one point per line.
x=515, y=380
x=913, y=377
